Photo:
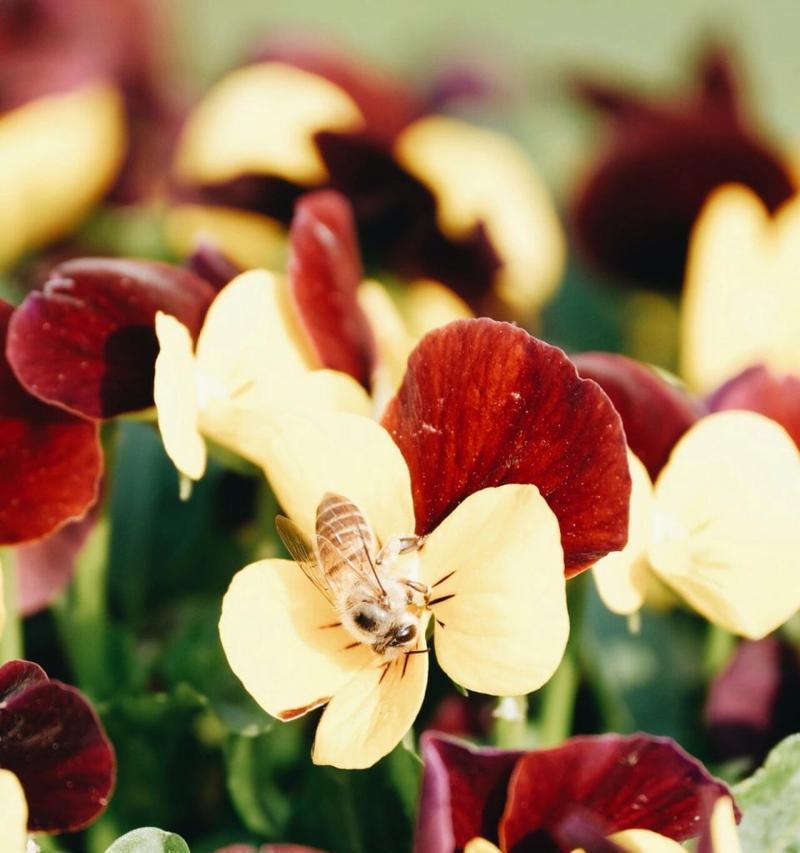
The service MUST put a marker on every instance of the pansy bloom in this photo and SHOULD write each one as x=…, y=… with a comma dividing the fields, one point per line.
x=53, y=750
x=434, y=197
x=632, y=215
x=496, y=487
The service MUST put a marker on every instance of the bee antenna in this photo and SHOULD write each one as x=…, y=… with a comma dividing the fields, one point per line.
x=369, y=559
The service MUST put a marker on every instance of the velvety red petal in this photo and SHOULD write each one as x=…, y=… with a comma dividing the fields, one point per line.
x=482, y=404
x=53, y=741
x=654, y=413
x=755, y=701
x=324, y=275
x=210, y=264
x=44, y=568
x=624, y=782
x=87, y=342
x=386, y=104
x=631, y=215
x=463, y=793
x=50, y=461
x=764, y=390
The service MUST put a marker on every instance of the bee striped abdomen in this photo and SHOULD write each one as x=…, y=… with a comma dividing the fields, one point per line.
x=344, y=538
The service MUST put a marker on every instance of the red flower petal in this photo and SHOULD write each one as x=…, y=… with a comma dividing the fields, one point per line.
x=654, y=413
x=50, y=461
x=463, y=793
x=324, y=274
x=764, y=390
x=53, y=741
x=482, y=404
x=87, y=341
x=632, y=216
x=629, y=782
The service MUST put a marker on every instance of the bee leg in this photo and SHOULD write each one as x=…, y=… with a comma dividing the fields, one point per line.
x=418, y=592
x=398, y=545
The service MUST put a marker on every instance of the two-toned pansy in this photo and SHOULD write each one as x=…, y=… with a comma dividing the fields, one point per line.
x=58, y=767
x=741, y=302
x=714, y=512
x=434, y=197
x=637, y=789
x=499, y=471
x=632, y=218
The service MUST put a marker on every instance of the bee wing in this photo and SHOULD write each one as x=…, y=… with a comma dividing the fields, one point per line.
x=302, y=553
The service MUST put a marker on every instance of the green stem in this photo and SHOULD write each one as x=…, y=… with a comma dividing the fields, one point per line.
x=720, y=645
x=511, y=722
x=558, y=702
x=11, y=645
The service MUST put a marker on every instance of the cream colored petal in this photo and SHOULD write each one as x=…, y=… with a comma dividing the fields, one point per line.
x=724, y=837
x=250, y=240
x=13, y=814
x=175, y=395
x=369, y=716
x=726, y=532
x=479, y=175
x=741, y=301
x=61, y=154
x=645, y=841
x=428, y=305
x=304, y=457
x=480, y=845
x=622, y=577
x=262, y=119
x=273, y=632
x=506, y=626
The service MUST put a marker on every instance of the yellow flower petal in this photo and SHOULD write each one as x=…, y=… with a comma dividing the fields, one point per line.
x=726, y=532
x=724, y=837
x=272, y=631
x=262, y=119
x=354, y=456
x=622, y=577
x=741, y=300
x=480, y=845
x=175, y=397
x=250, y=240
x=13, y=814
x=645, y=841
x=428, y=305
x=369, y=716
x=61, y=154
x=479, y=175
x=506, y=626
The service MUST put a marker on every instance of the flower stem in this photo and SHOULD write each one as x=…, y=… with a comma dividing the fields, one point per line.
x=511, y=722
x=11, y=645
x=558, y=702
x=720, y=645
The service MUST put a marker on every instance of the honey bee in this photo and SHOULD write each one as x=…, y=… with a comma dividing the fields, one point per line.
x=344, y=563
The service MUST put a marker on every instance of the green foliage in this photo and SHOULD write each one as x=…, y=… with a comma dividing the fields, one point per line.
x=149, y=840
x=770, y=801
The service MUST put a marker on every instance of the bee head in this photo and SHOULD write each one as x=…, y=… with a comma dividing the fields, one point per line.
x=405, y=634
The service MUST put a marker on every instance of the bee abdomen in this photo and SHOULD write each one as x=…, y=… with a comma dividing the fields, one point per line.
x=343, y=534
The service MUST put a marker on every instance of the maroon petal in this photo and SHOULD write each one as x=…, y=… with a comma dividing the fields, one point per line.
x=463, y=793
x=50, y=461
x=87, y=342
x=46, y=567
x=482, y=404
x=53, y=741
x=755, y=701
x=654, y=413
x=633, y=782
x=634, y=210
x=764, y=390
x=324, y=275
x=210, y=264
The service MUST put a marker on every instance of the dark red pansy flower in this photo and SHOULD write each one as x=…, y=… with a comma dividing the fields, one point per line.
x=86, y=342
x=655, y=413
x=755, y=701
x=634, y=210
x=764, y=390
x=550, y=800
x=50, y=461
x=52, y=740
x=324, y=276
x=523, y=415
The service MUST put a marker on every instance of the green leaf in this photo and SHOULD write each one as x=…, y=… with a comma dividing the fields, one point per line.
x=770, y=801
x=149, y=840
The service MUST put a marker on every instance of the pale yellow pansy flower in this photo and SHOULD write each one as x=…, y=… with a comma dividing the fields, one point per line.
x=494, y=568
x=481, y=176
x=59, y=154
x=13, y=814
x=249, y=361
x=741, y=302
x=724, y=528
